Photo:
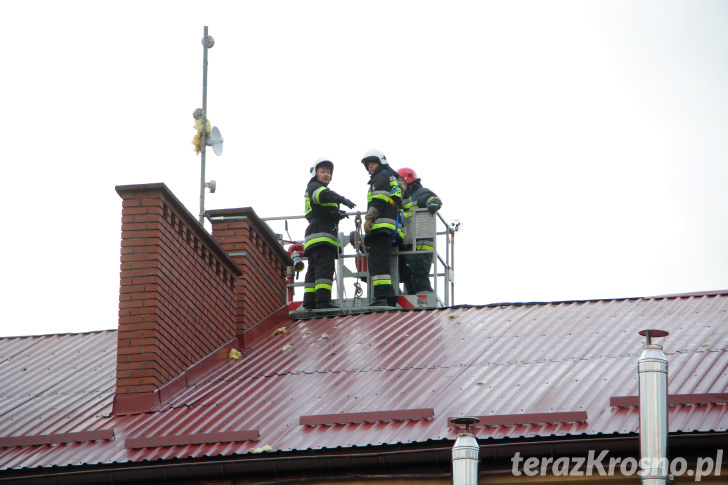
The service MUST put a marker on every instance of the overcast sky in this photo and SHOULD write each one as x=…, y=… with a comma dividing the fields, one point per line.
x=582, y=144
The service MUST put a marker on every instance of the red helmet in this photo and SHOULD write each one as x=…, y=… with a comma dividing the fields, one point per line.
x=407, y=174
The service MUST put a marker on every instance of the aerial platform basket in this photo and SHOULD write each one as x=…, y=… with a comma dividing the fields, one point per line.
x=352, y=274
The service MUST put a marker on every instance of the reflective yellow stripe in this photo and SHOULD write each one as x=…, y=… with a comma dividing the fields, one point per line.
x=383, y=225
x=307, y=205
x=317, y=193
x=396, y=190
x=328, y=240
x=317, y=198
x=389, y=226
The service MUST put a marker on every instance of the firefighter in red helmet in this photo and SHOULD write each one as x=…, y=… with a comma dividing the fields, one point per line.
x=321, y=245
x=383, y=225
x=414, y=269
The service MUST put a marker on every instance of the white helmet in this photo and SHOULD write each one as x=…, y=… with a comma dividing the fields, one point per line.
x=325, y=162
x=374, y=155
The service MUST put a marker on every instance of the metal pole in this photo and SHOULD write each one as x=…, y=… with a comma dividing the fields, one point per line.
x=451, y=267
x=340, y=273
x=203, y=136
x=435, y=259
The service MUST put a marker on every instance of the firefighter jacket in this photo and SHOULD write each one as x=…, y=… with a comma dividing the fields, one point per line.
x=419, y=197
x=384, y=201
x=323, y=214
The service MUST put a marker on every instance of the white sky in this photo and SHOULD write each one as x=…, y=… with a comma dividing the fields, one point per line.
x=583, y=144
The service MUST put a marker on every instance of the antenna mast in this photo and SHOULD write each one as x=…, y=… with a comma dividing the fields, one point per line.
x=215, y=140
x=207, y=42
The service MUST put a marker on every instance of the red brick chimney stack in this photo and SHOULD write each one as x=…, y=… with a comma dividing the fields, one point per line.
x=187, y=297
x=177, y=296
x=256, y=249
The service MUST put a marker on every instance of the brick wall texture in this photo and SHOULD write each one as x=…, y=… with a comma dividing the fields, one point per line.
x=253, y=246
x=177, y=300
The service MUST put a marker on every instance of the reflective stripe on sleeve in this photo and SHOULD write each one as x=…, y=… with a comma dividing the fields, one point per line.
x=317, y=198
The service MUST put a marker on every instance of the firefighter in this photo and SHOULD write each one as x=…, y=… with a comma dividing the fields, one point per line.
x=382, y=225
x=414, y=269
x=321, y=245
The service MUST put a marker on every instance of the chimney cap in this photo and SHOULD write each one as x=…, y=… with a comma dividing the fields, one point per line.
x=653, y=332
x=648, y=333
x=467, y=422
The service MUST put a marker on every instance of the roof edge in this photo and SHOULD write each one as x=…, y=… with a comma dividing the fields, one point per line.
x=430, y=457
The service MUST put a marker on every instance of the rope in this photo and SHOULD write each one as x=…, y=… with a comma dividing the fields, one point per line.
x=396, y=227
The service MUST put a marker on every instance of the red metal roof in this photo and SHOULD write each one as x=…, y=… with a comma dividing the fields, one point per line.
x=528, y=370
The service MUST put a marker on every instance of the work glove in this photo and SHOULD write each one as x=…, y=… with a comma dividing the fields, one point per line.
x=343, y=214
x=348, y=203
x=432, y=207
x=368, y=226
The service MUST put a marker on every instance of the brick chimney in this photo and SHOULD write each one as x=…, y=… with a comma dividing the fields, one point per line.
x=177, y=300
x=256, y=249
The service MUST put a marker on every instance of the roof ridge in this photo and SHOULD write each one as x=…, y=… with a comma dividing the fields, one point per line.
x=587, y=300
x=88, y=332
x=690, y=294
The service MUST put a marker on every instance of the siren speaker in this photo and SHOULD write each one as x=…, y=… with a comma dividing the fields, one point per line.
x=215, y=140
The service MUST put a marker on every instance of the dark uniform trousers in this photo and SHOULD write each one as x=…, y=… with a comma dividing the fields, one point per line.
x=414, y=271
x=321, y=265
x=380, y=250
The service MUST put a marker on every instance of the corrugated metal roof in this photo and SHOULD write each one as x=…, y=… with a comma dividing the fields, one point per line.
x=509, y=359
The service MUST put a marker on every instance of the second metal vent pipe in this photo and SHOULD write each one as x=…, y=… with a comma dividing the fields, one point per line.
x=465, y=453
x=652, y=368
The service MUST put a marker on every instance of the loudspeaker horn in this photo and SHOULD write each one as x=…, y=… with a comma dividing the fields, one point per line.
x=215, y=141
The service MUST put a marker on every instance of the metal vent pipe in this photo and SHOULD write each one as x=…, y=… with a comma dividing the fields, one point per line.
x=465, y=453
x=652, y=368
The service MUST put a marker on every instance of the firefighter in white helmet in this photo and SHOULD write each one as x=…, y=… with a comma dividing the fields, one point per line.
x=322, y=241
x=414, y=269
x=383, y=225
